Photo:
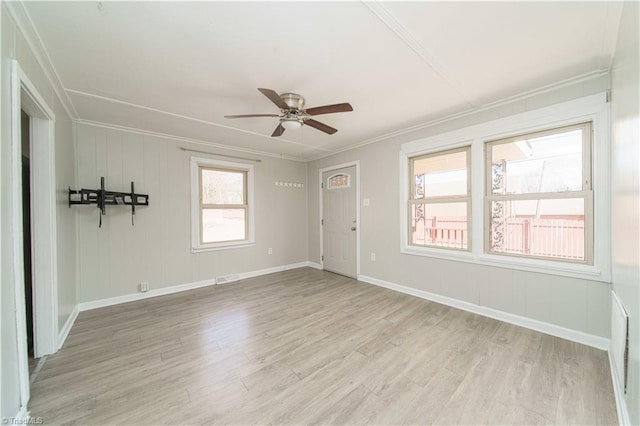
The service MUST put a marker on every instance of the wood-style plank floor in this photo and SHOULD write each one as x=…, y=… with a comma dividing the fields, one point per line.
x=311, y=347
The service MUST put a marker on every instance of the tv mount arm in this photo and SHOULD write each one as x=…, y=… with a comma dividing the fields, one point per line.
x=102, y=198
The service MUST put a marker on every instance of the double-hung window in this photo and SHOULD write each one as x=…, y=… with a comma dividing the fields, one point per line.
x=439, y=199
x=539, y=200
x=528, y=191
x=222, y=211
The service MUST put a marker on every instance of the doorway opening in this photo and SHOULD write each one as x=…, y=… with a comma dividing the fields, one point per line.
x=27, y=240
x=41, y=335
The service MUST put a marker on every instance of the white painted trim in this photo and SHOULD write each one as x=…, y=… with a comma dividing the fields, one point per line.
x=275, y=269
x=592, y=75
x=95, y=304
x=186, y=117
x=590, y=108
x=16, y=235
x=618, y=392
x=43, y=219
x=355, y=163
x=24, y=95
x=25, y=24
x=187, y=140
x=101, y=303
x=64, y=333
x=543, y=327
x=196, y=245
x=314, y=265
x=21, y=417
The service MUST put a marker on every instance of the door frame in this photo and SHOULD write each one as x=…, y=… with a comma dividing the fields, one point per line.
x=25, y=96
x=355, y=163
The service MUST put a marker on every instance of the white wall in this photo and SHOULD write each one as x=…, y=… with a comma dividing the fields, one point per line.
x=15, y=46
x=114, y=259
x=625, y=91
x=576, y=304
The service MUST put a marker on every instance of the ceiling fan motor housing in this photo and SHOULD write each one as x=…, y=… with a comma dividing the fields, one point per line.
x=293, y=100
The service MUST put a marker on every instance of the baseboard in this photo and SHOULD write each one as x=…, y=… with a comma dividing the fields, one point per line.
x=275, y=269
x=618, y=392
x=543, y=327
x=62, y=336
x=314, y=265
x=102, y=303
x=22, y=418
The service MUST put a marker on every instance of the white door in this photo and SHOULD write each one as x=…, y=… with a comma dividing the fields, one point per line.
x=339, y=221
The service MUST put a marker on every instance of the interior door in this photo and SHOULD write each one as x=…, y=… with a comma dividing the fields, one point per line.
x=339, y=221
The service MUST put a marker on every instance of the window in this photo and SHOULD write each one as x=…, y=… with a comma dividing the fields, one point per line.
x=340, y=180
x=539, y=199
x=222, y=211
x=439, y=199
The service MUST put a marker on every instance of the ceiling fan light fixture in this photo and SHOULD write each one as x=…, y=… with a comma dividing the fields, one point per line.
x=293, y=115
x=291, y=123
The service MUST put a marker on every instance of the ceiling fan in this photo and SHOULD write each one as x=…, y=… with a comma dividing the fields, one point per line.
x=293, y=115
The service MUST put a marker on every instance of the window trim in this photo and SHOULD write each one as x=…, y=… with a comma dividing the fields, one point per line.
x=593, y=108
x=440, y=199
x=586, y=193
x=199, y=163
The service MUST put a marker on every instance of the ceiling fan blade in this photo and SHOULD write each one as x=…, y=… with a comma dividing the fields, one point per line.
x=320, y=126
x=251, y=115
x=328, y=109
x=278, y=131
x=274, y=97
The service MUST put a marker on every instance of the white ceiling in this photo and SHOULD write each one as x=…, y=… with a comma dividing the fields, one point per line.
x=178, y=67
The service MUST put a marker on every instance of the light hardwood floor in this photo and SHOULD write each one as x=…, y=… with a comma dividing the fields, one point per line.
x=311, y=347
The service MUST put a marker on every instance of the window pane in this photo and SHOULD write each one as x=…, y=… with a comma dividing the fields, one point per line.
x=440, y=175
x=440, y=225
x=551, y=228
x=223, y=225
x=339, y=181
x=222, y=187
x=551, y=163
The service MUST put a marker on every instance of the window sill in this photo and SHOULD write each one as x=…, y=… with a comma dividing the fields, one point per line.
x=223, y=246
x=573, y=270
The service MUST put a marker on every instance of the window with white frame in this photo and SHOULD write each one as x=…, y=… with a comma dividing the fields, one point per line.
x=222, y=210
x=439, y=199
x=539, y=200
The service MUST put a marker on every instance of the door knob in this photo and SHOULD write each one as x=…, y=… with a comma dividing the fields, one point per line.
x=353, y=228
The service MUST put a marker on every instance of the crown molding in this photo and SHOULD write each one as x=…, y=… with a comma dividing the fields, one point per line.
x=25, y=25
x=188, y=140
x=186, y=117
x=504, y=101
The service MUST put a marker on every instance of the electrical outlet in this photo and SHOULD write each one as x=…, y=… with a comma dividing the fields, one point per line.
x=269, y=250
x=366, y=202
x=373, y=257
x=144, y=286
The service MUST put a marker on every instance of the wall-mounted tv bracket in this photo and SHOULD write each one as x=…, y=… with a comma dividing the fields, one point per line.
x=102, y=199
